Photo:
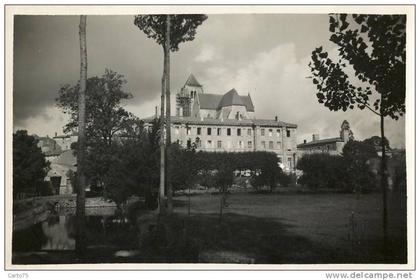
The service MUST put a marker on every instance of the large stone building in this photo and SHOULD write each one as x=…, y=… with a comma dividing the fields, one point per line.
x=227, y=123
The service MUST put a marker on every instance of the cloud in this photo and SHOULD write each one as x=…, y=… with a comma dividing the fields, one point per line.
x=252, y=55
x=278, y=84
x=206, y=54
x=51, y=115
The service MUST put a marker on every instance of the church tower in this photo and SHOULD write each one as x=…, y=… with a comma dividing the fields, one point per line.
x=345, y=133
x=185, y=98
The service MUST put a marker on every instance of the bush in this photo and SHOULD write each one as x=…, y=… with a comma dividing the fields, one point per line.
x=348, y=173
x=322, y=171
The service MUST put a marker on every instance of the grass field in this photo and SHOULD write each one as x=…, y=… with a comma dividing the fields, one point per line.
x=276, y=228
x=299, y=228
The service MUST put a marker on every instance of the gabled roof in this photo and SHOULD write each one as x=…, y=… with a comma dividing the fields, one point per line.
x=211, y=101
x=231, y=98
x=192, y=81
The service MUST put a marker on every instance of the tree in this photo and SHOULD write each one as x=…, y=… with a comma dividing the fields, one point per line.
x=81, y=149
x=168, y=31
x=104, y=120
x=29, y=165
x=376, y=141
x=375, y=47
x=224, y=179
x=105, y=117
x=356, y=155
x=324, y=171
x=183, y=169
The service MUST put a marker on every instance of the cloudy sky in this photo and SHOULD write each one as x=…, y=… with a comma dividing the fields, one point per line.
x=264, y=55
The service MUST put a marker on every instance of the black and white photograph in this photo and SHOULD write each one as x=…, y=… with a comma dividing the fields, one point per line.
x=250, y=136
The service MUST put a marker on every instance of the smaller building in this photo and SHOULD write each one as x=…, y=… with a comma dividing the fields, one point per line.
x=59, y=174
x=65, y=141
x=333, y=146
x=49, y=147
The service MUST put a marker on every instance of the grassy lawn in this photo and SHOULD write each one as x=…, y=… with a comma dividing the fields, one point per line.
x=298, y=228
x=277, y=228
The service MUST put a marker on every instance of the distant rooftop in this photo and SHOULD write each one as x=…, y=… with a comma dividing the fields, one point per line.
x=233, y=122
x=321, y=141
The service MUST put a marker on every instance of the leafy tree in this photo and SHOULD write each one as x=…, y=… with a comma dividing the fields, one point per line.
x=105, y=117
x=324, y=171
x=376, y=141
x=356, y=155
x=29, y=165
x=224, y=179
x=168, y=31
x=375, y=47
x=183, y=170
x=105, y=120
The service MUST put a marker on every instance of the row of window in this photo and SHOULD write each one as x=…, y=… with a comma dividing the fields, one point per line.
x=229, y=131
x=209, y=144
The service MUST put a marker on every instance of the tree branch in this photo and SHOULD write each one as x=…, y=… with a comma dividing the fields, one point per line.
x=367, y=106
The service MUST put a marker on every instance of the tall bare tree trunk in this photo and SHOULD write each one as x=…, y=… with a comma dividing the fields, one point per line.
x=162, y=206
x=81, y=149
x=384, y=184
x=168, y=103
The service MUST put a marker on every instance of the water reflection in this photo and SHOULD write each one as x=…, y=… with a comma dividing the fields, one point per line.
x=105, y=227
x=58, y=231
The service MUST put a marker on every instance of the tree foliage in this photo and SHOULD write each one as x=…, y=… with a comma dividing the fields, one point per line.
x=29, y=165
x=357, y=155
x=216, y=169
x=105, y=117
x=375, y=47
x=349, y=172
x=323, y=171
x=183, y=27
x=108, y=125
x=376, y=141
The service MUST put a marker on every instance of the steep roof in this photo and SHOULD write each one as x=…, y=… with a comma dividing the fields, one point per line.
x=209, y=100
x=231, y=98
x=246, y=99
x=192, y=81
x=212, y=101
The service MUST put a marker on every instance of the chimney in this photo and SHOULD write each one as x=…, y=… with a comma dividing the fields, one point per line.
x=276, y=118
x=156, y=111
x=304, y=141
x=56, y=134
x=315, y=137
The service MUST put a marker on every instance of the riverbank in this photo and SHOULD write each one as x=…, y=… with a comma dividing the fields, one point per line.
x=35, y=210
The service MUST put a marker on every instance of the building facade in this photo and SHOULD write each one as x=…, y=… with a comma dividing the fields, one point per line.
x=333, y=146
x=65, y=141
x=49, y=147
x=227, y=123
